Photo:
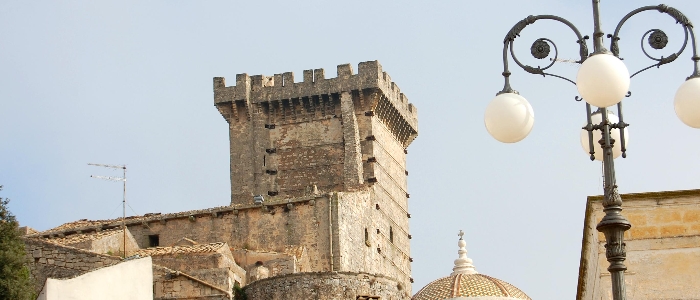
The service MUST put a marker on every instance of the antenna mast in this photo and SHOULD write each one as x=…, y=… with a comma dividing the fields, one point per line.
x=123, y=180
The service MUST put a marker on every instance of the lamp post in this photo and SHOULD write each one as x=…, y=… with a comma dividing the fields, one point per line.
x=602, y=81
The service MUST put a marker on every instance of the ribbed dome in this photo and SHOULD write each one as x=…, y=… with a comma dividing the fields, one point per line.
x=469, y=285
x=466, y=283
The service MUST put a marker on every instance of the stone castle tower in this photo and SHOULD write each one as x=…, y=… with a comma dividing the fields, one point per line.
x=333, y=151
x=329, y=158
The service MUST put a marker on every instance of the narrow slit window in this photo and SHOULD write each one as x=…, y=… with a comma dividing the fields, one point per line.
x=264, y=160
x=391, y=234
x=367, y=237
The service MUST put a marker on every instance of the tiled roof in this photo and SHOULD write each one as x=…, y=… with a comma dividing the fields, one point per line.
x=468, y=285
x=77, y=224
x=81, y=237
x=190, y=249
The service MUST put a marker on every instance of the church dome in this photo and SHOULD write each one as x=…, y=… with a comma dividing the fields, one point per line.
x=466, y=283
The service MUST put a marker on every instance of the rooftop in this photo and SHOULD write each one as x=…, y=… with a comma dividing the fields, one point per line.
x=189, y=249
x=465, y=283
x=82, y=237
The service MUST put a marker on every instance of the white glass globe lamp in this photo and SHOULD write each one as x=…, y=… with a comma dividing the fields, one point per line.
x=596, y=118
x=687, y=102
x=603, y=80
x=509, y=118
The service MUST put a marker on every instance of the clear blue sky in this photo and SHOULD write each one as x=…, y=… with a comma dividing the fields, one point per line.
x=130, y=82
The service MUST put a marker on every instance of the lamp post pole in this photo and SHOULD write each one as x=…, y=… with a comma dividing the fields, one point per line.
x=614, y=224
x=603, y=81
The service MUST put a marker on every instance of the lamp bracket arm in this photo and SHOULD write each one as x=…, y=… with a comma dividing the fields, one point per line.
x=695, y=58
x=657, y=39
x=514, y=32
x=676, y=14
x=540, y=49
x=506, y=74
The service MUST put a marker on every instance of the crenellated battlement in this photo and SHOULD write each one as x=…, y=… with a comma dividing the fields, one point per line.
x=258, y=89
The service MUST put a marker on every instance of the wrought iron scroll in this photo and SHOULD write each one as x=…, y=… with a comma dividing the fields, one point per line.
x=657, y=39
x=540, y=49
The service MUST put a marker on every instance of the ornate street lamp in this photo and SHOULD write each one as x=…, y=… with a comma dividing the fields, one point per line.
x=602, y=81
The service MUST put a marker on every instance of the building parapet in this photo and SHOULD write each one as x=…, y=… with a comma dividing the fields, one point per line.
x=95, y=226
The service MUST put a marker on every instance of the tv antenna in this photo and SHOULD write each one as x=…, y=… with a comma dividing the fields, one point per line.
x=571, y=62
x=123, y=180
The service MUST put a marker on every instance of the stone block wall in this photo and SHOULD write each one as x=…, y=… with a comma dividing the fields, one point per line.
x=205, y=285
x=327, y=286
x=275, y=263
x=49, y=260
x=190, y=262
x=279, y=263
x=274, y=227
x=112, y=244
x=285, y=136
x=307, y=153
x=376, y=252
x=267, y=232
x=663, y=247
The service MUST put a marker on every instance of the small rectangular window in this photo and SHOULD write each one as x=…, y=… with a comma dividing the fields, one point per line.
x=153, y=240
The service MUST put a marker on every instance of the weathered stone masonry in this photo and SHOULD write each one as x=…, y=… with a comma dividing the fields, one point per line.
x=345, y=137
x=48, y=260
x=328, y=155
x=327, y=286
x=274, y=122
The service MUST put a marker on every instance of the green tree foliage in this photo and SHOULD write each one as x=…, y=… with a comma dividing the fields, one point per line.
x=15, y=282
x=239, y=293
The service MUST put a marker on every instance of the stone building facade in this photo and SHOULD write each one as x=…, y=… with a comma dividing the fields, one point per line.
x=663, y=247
x=326, y=159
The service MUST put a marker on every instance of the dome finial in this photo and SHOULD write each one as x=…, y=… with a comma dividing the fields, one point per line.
x=463, y=264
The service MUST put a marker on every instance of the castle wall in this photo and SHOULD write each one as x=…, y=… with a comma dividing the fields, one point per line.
x=49, y=260
x=663, y=247
x=114, y=244
x=309, y=153
x=242, y=171
x=326, y=285
x=377, y=254
x=212, y=284
x=273, y=227
x=103, y=242
x=192, y=262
